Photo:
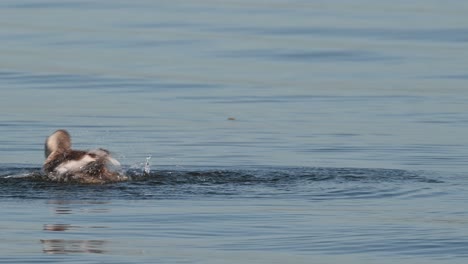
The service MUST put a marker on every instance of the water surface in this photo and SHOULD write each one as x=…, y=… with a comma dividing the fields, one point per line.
x=298, y=131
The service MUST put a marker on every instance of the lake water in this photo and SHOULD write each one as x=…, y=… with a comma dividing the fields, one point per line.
x=279, y=131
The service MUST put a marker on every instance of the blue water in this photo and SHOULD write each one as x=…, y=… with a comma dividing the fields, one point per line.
x=278, y=131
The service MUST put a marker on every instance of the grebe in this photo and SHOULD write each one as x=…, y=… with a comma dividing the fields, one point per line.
x=64, y=164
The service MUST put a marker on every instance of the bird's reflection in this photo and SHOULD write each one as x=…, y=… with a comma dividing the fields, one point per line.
x=70, y=207
x=64, y=245
x=57, y=227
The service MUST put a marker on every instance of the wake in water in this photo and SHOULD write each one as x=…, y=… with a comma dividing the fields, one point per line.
x=254, y=182
x=222, y=175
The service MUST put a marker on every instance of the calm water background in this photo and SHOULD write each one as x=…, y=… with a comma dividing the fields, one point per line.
x=348, y=145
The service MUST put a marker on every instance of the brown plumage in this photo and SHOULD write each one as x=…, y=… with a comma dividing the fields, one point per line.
x=64, y=164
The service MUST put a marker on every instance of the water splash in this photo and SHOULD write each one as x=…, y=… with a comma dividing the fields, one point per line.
x=147, y=168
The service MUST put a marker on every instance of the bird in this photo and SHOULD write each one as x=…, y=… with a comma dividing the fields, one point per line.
x=64, y=164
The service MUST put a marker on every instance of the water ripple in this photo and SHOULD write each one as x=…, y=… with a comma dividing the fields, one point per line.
x=311, y=183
